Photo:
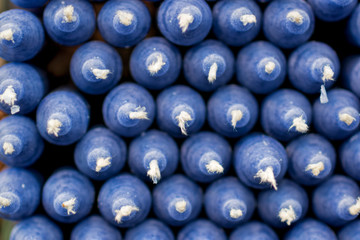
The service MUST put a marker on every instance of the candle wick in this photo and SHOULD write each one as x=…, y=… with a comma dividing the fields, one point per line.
x=315, y=168
x=100, y=73
x=235, y=213
x=69, y=206
x=183, y=118
x=247, y=19
x=8, y=148
x=185, y=19
x=156, y=65
x=4, y=202
x=295, y=17
x=180, y=206
x=346, y=118
x=9, y=97
x=269, y=67
x=212, y=73
x=328, y=74
x=287, y=215
x=124, y=212
x=139, y=113
x=154, y=171
x=323, y=95
x=101, y=163
x=53, y=127
x=214, y=167
x=236, y=115
x=125, y=17
x=300, y=125
x=355, y=209
x=267, y=176
x=7, y=35
x=68, y=12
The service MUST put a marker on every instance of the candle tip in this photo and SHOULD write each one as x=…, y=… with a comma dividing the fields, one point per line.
x=156, y=65
x=315, y=168
x=269, y=67
x=4, y=202
x=100, y=73
x=69, y=206
x=287, y=215
x=267, y=176
x=300, y=125
x=7, y=35
x=139, y=113
x=125, y=17
x=183, y=118
x=125, y=211
x=68, y=12
x=180, y=206
x=323, y=95
x=236, y=115
x=53, y=127
x=214, y=167
x=247, y=19
x=8, y=148
x=346, y=118
x=355, y=209
x=154, y=171
x=212, y=73
x=295, y=17
x=101, y=163
x=235, y=213
x=185, y=19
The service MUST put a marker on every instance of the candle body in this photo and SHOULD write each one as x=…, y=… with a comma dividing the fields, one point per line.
x=349, y=156
x=150, y=229
x=128, y=109
x=201, y=229
x=261, y=67
x=351, y=74
x=353, y=31
x=20, y=142
x=62, y=117
x=95, y=67
x=29, y=4
x=155, y=63
x=350, y=231
x=310, y=229
x=21, y=35
x=332, y=11
x=254, y=231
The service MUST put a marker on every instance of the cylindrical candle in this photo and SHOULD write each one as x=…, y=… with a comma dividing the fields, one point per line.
x=310, y=229
x=29, y=3
x=150, y=229
x=350, y=232
x=351, y=74
x=253, y=231
x=350, y=156
x=201, y=229
x=334, y=10
x=353, y=30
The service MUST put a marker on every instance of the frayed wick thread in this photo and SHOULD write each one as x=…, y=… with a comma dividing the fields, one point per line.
x=101, y=163
x=8, y=148
x=69, y=14
x=125, y=211
x=54, y=127
x=69, y=206
x=235, y=213
x=156, y=65
x=183, y=118
x=125, y=17
x=269, y=67
x=267, y=176
x=323, y=95
x=180, y=206
x=139, y=113
x=287, y=215
x=9, y=97
x=295, y=17
x=212, y=73
x=7, y=35
x=328, y=75
x=100, y=73
x=154, y=171
x=315, y=168
x=236, y=116
x=346, y=118
x=248, y=19
x=214, y=167
x=185, y=19
x=4, y=202
x=300, y=125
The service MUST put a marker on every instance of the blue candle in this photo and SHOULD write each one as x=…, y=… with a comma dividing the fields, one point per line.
x=339, y=118
x=20, y=142
x=153, y=155
x=184, y=22
x=311, y=159
x=288, y=23
x=351, y=74
x=69, y=22
x=128, y=110
x=150, y=229
x=177, y=200
x=260, y=161
x=228, y=203
x=261, y=67
x=20, y=191
x=100, y=154
x=337, y=201
x=201, y=229
x=62, y=117
x=68, y=196
x=21, y=35
x=232, y=111
x=95, y=227
x=205, y=156
x=96, y=67
x=286, y=114
x=124, y=201
x=349, y=156
x=236, y=22
x=350, y=232
x=310, y=229
x=124, y=23
x=155, y=63
x=29, y=3
x=332, y=11
x=21, y=88
x=180, y=111
x=283, y=207
x=208, y=65
x=37, y=227
x=353, y=30
x=253, y=231
x=313, y=67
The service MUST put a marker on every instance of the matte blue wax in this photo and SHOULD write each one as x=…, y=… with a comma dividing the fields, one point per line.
x=351, y=74
x=95, y=227
x=29, y=3
x=124, y=201
x=201, y=229
x=353, y=29
x=20, y=142
x=339, y=118
x=62, y=117
x=236, y=22
x=205, y=156
x=155, y=63
x=310, y=229
x=150, y=229
x=350, y=232
x=312, y=159
x=124, y=23
x=232, y=111
x=184, y=22
x=261, y=67
x=21, y=35
x=153, y=155
x=334, y=10
x=20, y=191
x=37, y=227
x=208, y=65
x=337, y=201
x=283, y=207
x=180, y=111
x=96, y=67
x=253, y=231
x=68, y=196
x=177, y=200
x=128, y=110
x=286, y=114
x=69, y=22
x=228, y=203
x=288, y=23
x=100, y=154
x=350, y=156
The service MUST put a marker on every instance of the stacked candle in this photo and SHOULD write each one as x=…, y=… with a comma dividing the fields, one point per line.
x=187, y=119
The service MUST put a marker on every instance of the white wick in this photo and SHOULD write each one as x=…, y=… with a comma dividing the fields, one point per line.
x=235, y=213
x=247, y=19
x=267, y=176
x=182, y=118
x=7, y=35
x=69, y=206
x=346, y=118
x=296, y=17
x=315, y=168
x=287, y=215
x=185, y=19
x=53, y=127
x=156, y=66
x=355, y=209
x=180, y=206
x=323, y=94
x=9, y=97
x=154, y=171
x=4, y=202
x=212, y=73
x=269, y=67
x=300, y=125
x=214, y=167
x=100, y=73
x=140, y=113
x=69, y=14
x=125, y=17
x=328, y=74
x=236, y=115
x=101, y=163
x=124, y=212
x=8, y=148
